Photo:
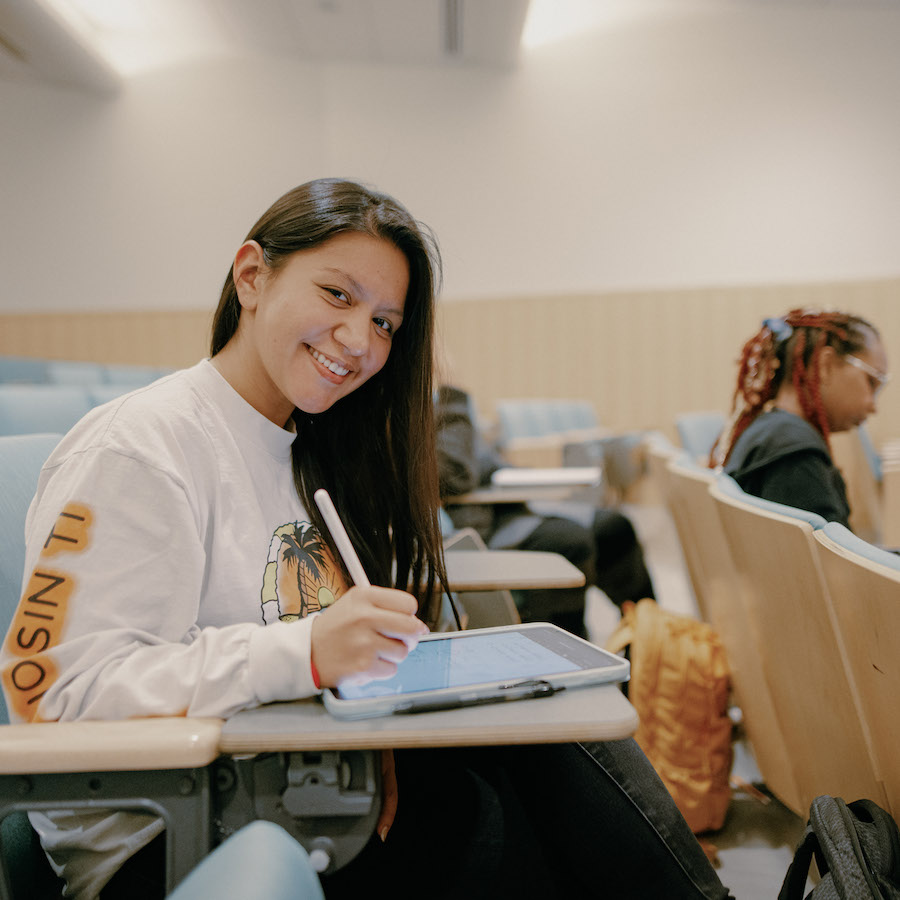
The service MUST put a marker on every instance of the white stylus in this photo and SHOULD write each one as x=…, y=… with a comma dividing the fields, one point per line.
x=339, y=534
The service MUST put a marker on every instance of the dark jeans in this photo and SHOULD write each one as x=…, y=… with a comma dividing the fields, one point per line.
x=619, y=567
x=610, y=555
x=547, y=821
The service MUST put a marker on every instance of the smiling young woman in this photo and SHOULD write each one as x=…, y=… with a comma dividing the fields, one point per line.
x=204, y=581
x=316, y=329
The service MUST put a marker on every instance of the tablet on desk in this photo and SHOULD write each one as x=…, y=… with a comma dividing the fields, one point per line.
x=485, y=665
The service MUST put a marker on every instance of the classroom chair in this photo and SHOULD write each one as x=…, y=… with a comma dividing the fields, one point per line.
x=21, y=458
x=133, y=376
x=864, y=583
x=73, y=371
x=99, y=394
x=723, y=601
x=621, y=458
x=698, y=431
x=22, y=370
x=529, y=418
x=803, y=655
x=41, y=408
x=533, y=432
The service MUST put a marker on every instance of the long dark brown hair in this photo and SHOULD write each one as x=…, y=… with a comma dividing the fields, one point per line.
x=374, y=450
x=789, y=347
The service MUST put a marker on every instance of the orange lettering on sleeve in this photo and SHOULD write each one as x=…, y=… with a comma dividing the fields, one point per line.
x=25, y=682
x=70, y=532
x=36, y=627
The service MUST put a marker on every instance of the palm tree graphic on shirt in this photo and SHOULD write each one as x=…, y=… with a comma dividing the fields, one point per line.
x=301, y=576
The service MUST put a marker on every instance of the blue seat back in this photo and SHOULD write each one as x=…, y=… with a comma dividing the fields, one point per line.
x=41, y=408
x=845, y=538
x=537, y=418
x=132, y=376
x=103, y=393
x=732, y=489
x=74, y=371
x=21, y=458
x=698, y=431
x=22, y=370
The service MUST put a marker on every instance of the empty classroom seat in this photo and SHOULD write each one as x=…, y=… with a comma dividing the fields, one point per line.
x=864, y=583
x=539, y=418
x=103, y=393
x=65, y=371
x=35, y=408
x=698, y=431
x=22, y=370
x=133, y=375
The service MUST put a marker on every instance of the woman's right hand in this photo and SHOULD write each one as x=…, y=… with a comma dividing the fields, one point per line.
x=364, y=635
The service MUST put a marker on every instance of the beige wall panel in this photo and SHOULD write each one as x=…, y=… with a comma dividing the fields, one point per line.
x=640, y=357
x=154, y=337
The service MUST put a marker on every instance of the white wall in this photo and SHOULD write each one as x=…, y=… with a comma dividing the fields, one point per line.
x=704, y=147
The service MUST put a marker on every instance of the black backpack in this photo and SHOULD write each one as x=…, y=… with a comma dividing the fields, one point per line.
x=857, y=851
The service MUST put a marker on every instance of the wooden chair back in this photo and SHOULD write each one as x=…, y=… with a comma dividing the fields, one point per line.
x=801, y=650
x=864, y=583
x=726, y=606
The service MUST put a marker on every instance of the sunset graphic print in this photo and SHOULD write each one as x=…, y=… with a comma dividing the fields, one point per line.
x=301, y=576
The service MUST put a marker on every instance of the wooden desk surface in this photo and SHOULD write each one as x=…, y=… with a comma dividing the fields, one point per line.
x=599, y=713
x=491, y=570
x=130, y=744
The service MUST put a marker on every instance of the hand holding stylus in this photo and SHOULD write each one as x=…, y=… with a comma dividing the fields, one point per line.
x=377, y=623
x=370, y=629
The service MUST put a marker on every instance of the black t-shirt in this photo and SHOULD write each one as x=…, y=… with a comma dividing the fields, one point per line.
x=782, y=458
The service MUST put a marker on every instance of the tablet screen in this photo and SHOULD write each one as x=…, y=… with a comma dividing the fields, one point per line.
x=477, y=657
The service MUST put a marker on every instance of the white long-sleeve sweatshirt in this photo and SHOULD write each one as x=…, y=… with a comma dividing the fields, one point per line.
x=170, y=567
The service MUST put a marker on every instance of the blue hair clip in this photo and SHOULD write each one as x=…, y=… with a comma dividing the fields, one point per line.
x=780, y=329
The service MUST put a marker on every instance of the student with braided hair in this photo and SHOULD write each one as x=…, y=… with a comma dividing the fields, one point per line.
x=802, y=377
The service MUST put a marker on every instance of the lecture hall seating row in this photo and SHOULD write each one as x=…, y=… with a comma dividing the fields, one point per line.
x=808, y=613
x=50, y=396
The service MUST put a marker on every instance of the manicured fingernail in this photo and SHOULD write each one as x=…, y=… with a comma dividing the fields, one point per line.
x=383, y=834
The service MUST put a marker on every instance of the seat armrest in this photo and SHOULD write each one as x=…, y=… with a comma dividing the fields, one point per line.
x=127, y=745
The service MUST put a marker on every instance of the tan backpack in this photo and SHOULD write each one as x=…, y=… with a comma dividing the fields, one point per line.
x=680, y=688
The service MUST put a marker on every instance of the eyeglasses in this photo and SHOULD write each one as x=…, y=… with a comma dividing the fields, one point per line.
x=879, y=379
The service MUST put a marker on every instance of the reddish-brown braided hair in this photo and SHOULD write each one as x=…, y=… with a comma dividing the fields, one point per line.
x=791, y=344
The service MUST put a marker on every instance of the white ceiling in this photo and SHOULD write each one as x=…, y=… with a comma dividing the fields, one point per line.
x=57, y=41
x=48, y=40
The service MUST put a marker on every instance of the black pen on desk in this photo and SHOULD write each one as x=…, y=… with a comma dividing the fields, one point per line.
x=525, y=690
x=341, y=538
